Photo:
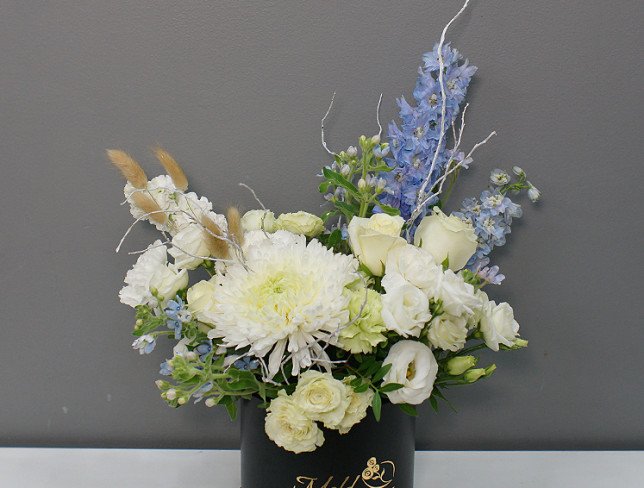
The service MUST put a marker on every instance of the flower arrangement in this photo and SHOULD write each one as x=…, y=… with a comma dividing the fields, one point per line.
x=380, y=298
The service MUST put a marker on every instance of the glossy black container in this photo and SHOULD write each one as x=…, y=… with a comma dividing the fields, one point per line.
x=372, y=455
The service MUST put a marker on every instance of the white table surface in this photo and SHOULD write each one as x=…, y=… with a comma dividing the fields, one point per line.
x=142, y=468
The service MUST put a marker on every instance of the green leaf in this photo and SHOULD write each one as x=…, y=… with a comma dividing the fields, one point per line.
x=334, y=238
x=409, y=409
x=327, y=215
x=349, y=210
x=381, y=373
x=376, y=405
x=389, y=387
x=389, y=210
x=339, y=180
x=361, y=388
x=434, y=403
x=445, y=263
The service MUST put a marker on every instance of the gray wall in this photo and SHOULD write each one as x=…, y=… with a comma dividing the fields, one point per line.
x=236, y=90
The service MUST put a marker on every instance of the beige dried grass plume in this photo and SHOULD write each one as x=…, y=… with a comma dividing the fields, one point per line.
x=235, y=231
x=129, y=168
x=149, y=206
x=215, y=238
x=172, y=168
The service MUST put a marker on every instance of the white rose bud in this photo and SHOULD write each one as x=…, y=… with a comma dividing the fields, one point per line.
x=371, y=239
x=300, y=223
x=321, y=397
x=201, y=300
x=448, y=332
x=168, y=280
x=498, y=325
x=405, y=308
x=288, y=427
x=189, y=246
x=414, y=366
x=258, y=220
x=446, y=238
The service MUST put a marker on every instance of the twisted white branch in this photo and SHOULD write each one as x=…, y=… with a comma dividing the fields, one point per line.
x=328, y=111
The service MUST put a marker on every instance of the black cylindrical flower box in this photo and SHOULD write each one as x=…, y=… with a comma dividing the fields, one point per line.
x=372, y=455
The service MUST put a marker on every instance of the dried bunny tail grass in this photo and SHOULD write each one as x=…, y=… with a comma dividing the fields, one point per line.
x=128, y=167
x=172, y=168
x=149, y=206
x=234, y=225
x=215, y=238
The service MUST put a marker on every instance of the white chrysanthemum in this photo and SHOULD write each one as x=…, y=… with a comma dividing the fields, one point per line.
x=181, y=208
x=152, y=273
x=285, y=297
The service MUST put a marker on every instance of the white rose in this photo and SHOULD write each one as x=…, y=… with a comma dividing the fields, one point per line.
x=357, y=409
x=258, y=220
x=458, y=298
x=152, y=275
x=498, y=325
x=414, y=366
x=321, y=397
x=448, y=332
x=190, y=244
x=167, y=281
x=405, y=308
x=446, y=237
x=201, y=300
x=371, y=239
x=415, y=265
x=288, y=427
x=474, y=319
x=303, y=223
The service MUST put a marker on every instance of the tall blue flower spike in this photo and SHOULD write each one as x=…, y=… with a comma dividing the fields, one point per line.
x=414, y=141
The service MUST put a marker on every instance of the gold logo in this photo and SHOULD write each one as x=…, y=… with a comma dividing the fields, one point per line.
x=375, y=475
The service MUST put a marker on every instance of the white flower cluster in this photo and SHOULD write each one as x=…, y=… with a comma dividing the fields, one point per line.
x=318, y=397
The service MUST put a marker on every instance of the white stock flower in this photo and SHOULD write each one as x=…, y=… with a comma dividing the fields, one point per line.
x=288, y=427
x=405, y=308
x=258, y=220
x=300, y=223
x=446, y=237
x=371, y=239
x=285, y=297
x=414, y=366
x=201, y=300
x=448, y=332
x=190, y=244
x=498, y=325
x=321, y=397
x=152, y=275
x=357, y=409
x=414, y=265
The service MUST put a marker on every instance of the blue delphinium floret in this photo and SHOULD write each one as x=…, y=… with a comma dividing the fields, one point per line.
x=246, y=363
x=414, y=141
x=177, y=314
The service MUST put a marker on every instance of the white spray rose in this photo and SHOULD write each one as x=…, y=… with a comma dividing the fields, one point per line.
x=190, y=245
x=258, y=220
x=288, y=427
x=414, y=265
x=458, y=298
x=300, y=223
x=446, y=237
x=498, y=325
x=152, y=275
x=201, y=300
x=405, y=308
x=371, y=239
x=448, y=332
x=321, y=397
x=357, y=409
x=413, y=365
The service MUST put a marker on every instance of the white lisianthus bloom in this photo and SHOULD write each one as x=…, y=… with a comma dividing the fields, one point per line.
x=288, y=427
x=458, y=298
x=180, y=208
x=190, y=244
x=414, y=366
x=300, y=223
x=371, y=239
x=285, y=297
x=258, y=220
x=201, y=299
x=405, y=308
x=414, y=265
x=357, y=409
x=446, y=237
x=321, y=397
x=498, y=325
x=448, y=332
x=152, y=278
